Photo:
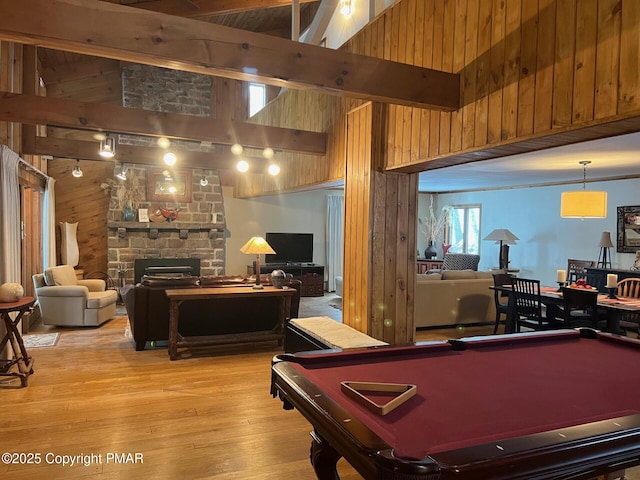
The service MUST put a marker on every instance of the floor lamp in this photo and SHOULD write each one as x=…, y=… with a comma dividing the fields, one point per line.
x=505, y=238
x=257, y=246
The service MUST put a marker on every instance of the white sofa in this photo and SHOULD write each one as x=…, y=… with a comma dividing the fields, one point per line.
x=454, y=297
x=64, y=300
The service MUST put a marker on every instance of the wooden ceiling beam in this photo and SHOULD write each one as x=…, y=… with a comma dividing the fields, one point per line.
x=200, y=8
x=137, y=155
x=62, y=112
x=90, y=67
x=130, y=34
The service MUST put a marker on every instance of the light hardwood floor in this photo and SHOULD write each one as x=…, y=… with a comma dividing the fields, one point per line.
x=208, y=417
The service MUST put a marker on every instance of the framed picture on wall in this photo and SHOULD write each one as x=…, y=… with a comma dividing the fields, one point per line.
x=628, y=229
x=169, y=185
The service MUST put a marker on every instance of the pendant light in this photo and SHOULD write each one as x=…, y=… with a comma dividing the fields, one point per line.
x=583, y=203
x=77, y=171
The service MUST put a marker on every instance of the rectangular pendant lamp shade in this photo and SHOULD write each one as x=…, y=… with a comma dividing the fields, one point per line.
x=583, y=204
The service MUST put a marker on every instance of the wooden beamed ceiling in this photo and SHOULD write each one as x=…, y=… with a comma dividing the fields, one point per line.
x=200, y=8
x=61, y=112
x=86, y=27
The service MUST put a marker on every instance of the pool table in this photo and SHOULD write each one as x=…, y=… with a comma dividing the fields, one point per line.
x=547, y=405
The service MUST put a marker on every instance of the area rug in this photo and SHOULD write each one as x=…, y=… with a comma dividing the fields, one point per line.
x=336, y=305
x=41, y=340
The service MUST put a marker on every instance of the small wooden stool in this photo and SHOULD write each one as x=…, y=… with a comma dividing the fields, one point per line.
x=21, y=359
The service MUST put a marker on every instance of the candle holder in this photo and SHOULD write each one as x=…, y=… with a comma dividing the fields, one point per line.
x=561, y=285
x=612, y=292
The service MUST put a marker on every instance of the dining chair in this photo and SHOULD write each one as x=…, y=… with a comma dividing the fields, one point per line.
x=630, y=288
x=500, y=298
x=528, y=306
x=577, y=269
x=580, y=307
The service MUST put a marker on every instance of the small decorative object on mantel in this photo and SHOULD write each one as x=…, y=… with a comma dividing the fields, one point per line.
x=277, y=278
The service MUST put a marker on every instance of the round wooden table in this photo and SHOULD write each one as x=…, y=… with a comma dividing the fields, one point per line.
x=21, y=365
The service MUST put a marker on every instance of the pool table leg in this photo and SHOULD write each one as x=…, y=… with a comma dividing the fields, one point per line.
x=324, y=458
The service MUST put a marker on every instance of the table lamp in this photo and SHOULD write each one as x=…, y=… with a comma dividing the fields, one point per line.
x=502, y=235
x=257, y=246
x=604, y=261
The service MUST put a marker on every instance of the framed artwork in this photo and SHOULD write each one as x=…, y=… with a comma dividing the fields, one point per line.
x=628, y=229
x=169, y=186
x=143, y=215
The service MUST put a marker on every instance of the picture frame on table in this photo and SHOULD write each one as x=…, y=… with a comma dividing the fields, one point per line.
x=169, y=186
x=628, y=238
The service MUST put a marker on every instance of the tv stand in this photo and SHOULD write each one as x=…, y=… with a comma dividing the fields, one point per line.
x=311, y=275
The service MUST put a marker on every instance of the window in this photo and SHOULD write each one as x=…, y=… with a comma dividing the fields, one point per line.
x=257, y=98
x=464, y=229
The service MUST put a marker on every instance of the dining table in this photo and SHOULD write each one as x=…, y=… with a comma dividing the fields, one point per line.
x=615, y=307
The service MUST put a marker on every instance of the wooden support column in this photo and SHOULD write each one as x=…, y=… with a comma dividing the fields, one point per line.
x=30, y=80
x=380, y=234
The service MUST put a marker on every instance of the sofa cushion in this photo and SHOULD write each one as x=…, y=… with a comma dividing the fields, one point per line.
x=458, y=274
x=429, y=277
x=168, y=281
x=60, y=275
x=101, y=299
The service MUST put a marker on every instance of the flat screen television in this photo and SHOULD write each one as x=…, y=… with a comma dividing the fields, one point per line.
x=290, y=247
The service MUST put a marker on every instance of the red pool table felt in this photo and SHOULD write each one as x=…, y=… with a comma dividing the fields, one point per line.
x=491, y=391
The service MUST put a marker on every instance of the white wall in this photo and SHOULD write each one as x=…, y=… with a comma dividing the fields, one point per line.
x=546, y=239
x=303, y=212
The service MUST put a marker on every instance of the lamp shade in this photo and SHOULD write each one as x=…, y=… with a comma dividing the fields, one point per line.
x=257, y=246
x=583, y=204
x=605, y=240
x=502, y=235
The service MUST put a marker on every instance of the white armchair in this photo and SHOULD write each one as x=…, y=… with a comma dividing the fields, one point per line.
x=65, y=300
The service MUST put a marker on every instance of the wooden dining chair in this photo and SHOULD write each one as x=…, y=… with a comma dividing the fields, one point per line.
x=577, y=269
x=630, y=288
x=528, y=306
x=500, y=298
x=580, y=307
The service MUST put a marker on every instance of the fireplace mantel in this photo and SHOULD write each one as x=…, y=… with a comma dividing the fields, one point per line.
x=214, y=229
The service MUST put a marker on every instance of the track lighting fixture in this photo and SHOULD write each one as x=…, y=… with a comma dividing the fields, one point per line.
x=170, y=158
x=203, y=181
x=268, y=153
x=122, y=174
x=274, y=169
x=77, y=172
x=236, y=149
x=107, y=146
x=242, y=166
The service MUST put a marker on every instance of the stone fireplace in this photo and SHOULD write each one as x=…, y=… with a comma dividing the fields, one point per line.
x=198, y=230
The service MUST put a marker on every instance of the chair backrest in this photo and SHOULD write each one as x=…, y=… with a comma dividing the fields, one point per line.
x=460, y=261
x=580, y=299
x=500, y=279
x=526, y=298
x=577, y=269
x=629, y=287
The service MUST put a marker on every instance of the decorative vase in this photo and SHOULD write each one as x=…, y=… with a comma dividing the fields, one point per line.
x=69, y=252
x=445, y=248
x=430, y=251
x=129, y=213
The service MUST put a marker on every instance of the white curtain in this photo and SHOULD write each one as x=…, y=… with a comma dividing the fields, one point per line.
x=9, y=217
x=49, y=225
x=335, y=239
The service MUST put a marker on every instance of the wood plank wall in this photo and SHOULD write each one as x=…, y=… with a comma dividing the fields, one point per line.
x=535, y=74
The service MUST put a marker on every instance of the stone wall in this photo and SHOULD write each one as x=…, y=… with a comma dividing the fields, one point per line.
x=198, y=231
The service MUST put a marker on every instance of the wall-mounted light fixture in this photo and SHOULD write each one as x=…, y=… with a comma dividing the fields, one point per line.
x=203, y=181
x=107, y=146
x=346, y=7
x=583, y=203
x=77, y=172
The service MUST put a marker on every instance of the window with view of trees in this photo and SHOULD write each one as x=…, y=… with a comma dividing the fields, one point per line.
x=464, y=229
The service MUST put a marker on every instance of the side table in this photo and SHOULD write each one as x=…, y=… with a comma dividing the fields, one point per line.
x=21, y=360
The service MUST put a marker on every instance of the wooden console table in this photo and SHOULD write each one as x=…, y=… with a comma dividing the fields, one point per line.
x=22, y=362
x=424, y=265
x=245, y=293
